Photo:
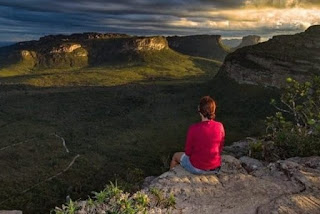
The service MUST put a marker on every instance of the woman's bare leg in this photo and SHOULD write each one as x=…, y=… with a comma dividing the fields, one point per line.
x=176, y=159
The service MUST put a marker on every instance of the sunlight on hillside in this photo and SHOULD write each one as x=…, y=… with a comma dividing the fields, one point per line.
x=163, y=65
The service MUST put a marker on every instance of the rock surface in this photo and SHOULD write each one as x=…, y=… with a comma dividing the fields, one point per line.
x=65, y=48
x=208, y=46
x=145, y=44
x=250, y=164
x=281, y=187
x=239, y=148
x=271, y=63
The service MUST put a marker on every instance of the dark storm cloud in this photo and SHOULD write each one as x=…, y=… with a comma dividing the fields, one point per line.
x=30, y=19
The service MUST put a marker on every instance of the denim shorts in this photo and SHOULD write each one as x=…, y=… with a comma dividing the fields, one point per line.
x=186, y=164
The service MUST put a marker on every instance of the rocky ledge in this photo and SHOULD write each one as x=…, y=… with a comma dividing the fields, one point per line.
x=243, y=186
x=246, y=186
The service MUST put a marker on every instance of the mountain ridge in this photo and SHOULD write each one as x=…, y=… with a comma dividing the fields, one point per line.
x=270, y=63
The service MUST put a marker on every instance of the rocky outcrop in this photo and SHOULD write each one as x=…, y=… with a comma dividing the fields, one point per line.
x=243, y=186
x=145, y=44
x=78, y=50
x=288, y=186
x=65, y=48
x=270, y=63
x=240, y=148
x=248, y=40
x=207, y=46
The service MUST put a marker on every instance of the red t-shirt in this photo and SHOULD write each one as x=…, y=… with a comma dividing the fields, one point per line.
x=204, y=144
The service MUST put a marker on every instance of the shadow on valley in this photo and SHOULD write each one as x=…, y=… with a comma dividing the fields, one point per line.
x=122, y=133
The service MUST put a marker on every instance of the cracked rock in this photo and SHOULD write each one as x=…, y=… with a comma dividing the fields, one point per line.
x=283, y=187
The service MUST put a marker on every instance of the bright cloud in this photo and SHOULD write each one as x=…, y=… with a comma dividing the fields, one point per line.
x=251, y=19
x=282, y=3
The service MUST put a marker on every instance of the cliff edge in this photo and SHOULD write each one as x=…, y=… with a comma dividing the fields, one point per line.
x=207, y=46
x=243, y=186
x=270, y=63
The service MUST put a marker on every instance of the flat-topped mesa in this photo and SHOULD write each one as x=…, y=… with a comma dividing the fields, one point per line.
x=271, y=63
x=208, y=46
x=79, y=50
x=248, y=40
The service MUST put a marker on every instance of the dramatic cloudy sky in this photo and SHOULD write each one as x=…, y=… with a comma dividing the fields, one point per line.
x=30, y=19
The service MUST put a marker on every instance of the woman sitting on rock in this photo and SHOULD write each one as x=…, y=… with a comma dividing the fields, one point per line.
x=204, y=142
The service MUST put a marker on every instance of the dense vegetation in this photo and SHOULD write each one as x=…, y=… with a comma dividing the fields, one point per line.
x=295, y=128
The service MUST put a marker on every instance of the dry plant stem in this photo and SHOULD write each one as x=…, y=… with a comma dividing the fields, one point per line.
x=63, y=142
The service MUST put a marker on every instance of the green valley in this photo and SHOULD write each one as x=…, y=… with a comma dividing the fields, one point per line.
x=120, y=120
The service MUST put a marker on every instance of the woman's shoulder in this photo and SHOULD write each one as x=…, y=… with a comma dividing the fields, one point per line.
x=219, y=124
x=202, y=123
x=205, y=123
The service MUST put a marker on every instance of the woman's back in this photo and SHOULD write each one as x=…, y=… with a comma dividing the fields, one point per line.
x=204, y=144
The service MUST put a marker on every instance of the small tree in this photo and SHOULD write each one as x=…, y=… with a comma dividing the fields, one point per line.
x=295, y=128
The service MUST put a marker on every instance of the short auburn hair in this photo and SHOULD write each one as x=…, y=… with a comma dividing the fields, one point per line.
x=207, y=107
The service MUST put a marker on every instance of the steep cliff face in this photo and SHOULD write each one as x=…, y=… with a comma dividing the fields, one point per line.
x=248, y=40
x=270, y=63
x=208, y=46
x=145, y=44
x=78, y=50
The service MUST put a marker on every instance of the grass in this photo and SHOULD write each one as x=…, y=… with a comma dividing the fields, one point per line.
x=165, y=64
x=124, y=120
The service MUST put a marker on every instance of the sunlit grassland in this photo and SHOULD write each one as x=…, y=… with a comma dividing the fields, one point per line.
x=165, y=64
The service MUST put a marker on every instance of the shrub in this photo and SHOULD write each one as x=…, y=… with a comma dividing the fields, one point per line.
x=295, y=128
x=113, y=200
